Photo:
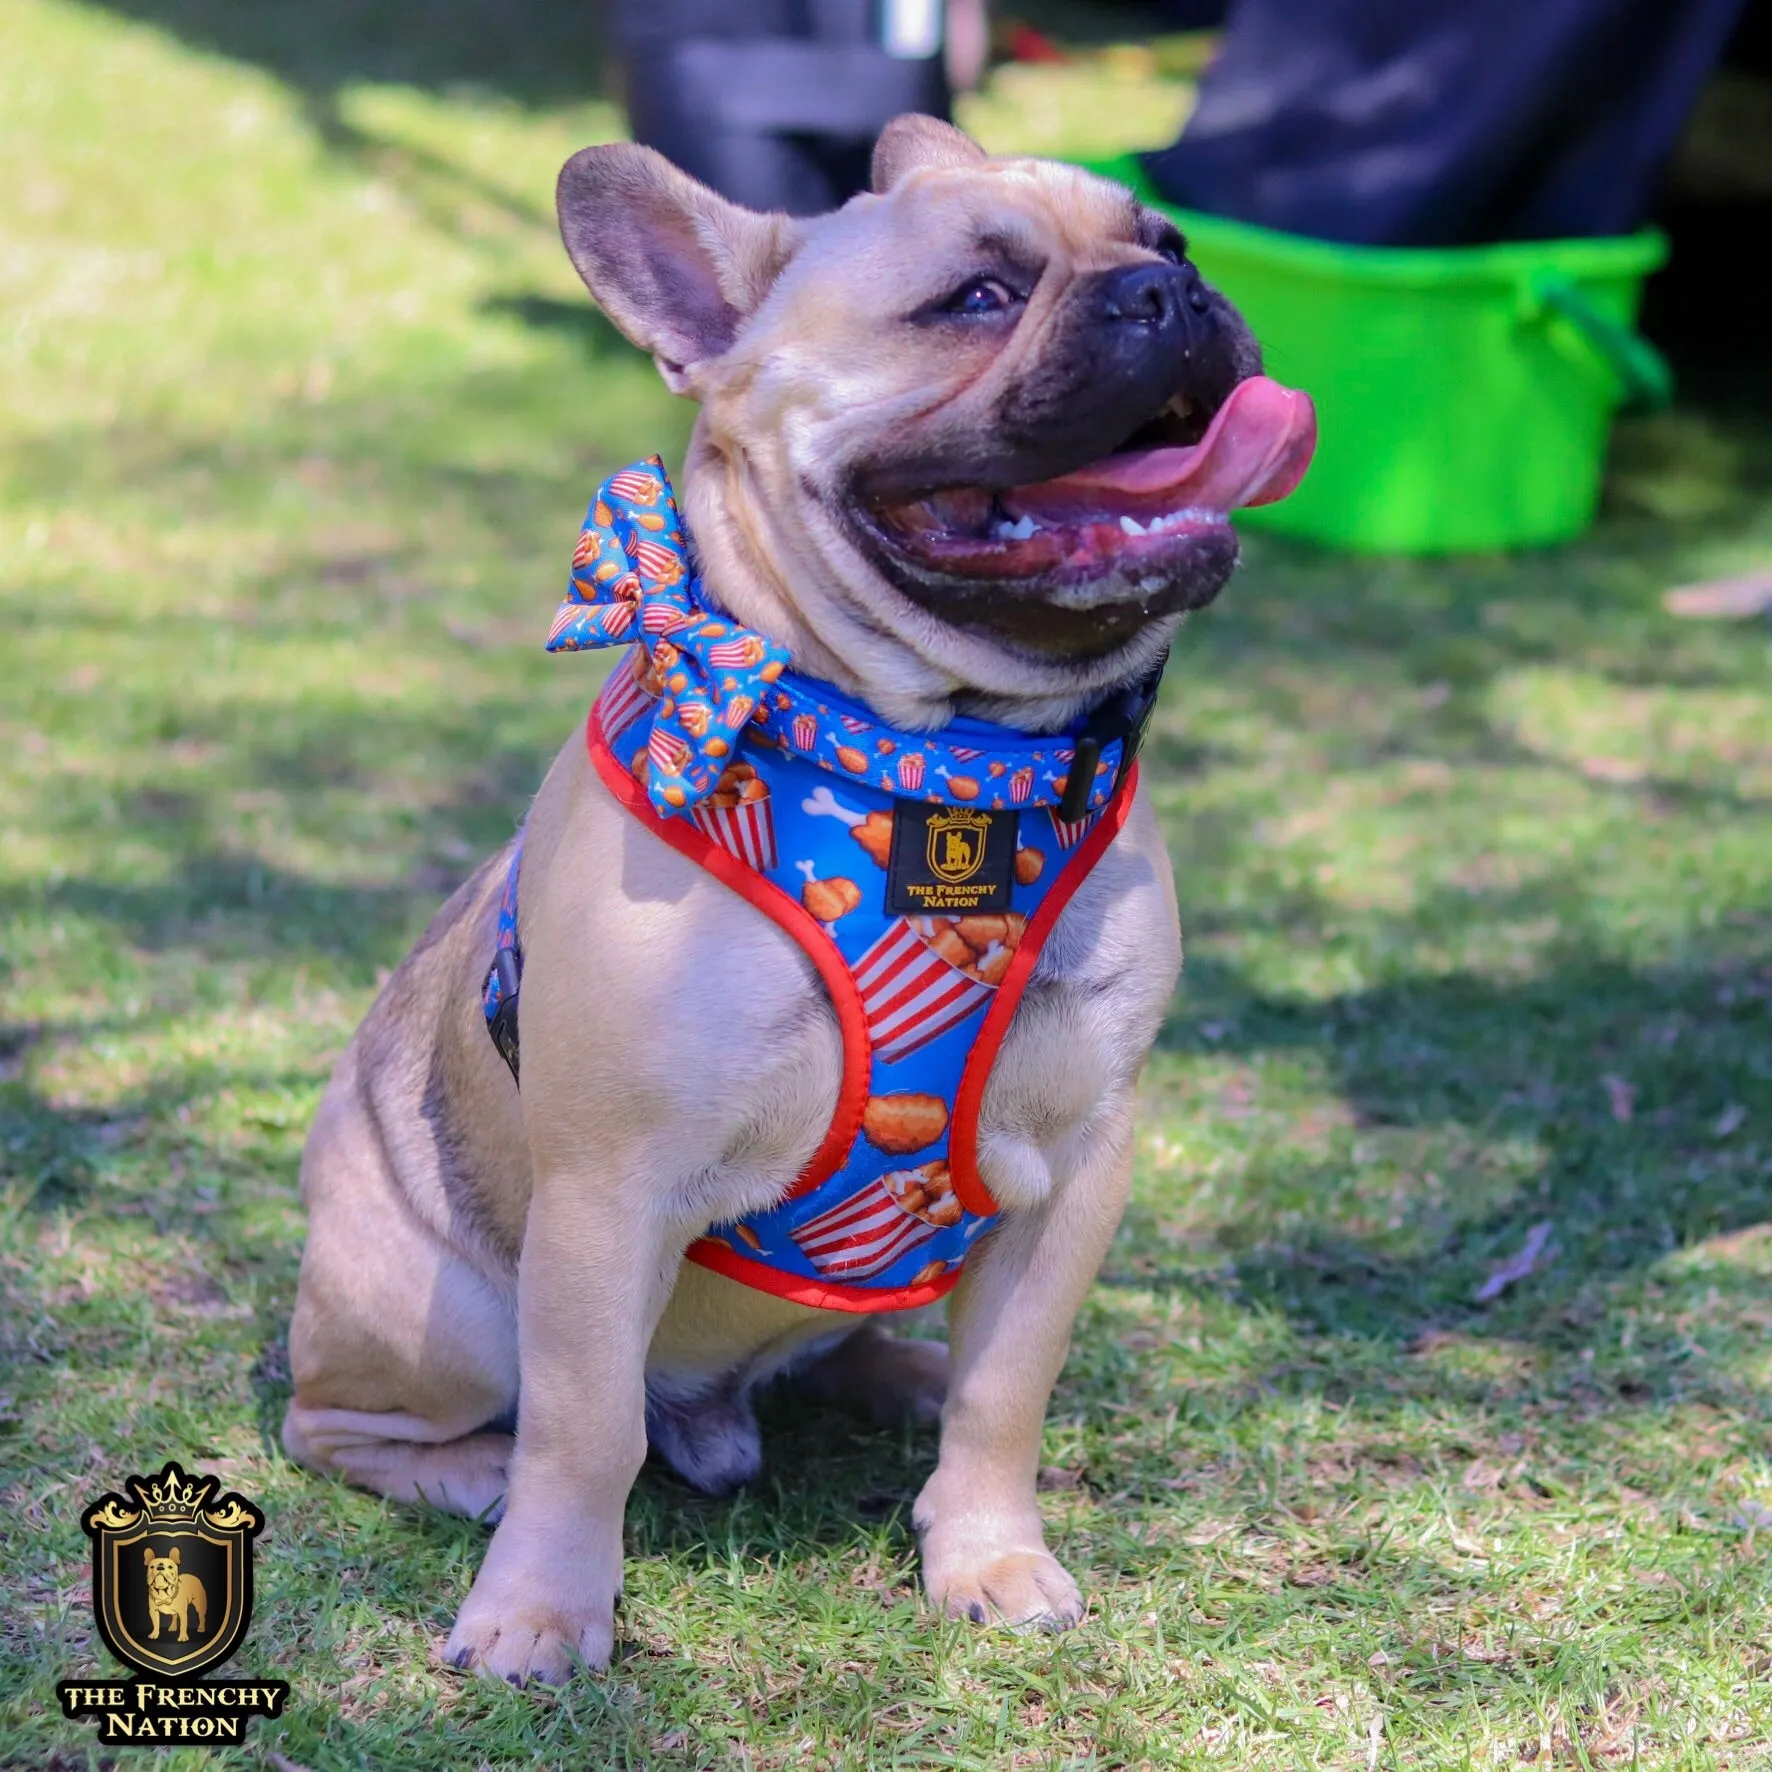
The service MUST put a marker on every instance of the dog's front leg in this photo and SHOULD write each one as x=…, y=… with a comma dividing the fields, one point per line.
x=596, y=1271
x=984, y=1550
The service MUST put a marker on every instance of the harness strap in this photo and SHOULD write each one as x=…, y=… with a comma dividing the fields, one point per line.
x=1126, y=714
x=498, y=996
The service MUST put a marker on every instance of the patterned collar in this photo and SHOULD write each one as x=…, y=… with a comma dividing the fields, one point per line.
x=717, y=685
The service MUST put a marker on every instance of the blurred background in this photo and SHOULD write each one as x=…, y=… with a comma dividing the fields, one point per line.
x=1468, y=791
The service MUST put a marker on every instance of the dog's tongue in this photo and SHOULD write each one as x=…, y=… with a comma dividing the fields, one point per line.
x=1254, y=452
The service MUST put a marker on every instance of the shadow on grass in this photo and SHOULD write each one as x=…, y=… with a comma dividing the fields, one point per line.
x=532, y=51
x=1528, y=1062
x=1521, y=1065
x=825, y=1477
x=220, y=898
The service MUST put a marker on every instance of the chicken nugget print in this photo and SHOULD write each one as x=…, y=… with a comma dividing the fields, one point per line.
x=903, y=1123
x=874, y=834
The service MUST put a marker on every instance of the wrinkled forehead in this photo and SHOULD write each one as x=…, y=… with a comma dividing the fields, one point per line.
x=938, y=225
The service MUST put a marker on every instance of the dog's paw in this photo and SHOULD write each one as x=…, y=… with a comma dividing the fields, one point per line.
x=522, y=1644
x=882, y=1379
x=711, y=1442
x=913, y=1383
x=1026, y=1590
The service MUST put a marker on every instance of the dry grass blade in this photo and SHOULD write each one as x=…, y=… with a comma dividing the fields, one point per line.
x=1521, y=1265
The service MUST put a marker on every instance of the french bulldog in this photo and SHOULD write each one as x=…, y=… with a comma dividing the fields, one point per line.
x=966, y=446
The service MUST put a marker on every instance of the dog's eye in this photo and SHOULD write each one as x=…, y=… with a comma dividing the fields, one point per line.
x=1174, y=248
x=983, y=295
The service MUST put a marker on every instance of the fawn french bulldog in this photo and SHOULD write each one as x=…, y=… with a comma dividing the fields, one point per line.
x=966, y=450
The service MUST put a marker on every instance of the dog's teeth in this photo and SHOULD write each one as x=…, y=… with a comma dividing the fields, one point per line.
x=1020, y=531
x=1132, y=526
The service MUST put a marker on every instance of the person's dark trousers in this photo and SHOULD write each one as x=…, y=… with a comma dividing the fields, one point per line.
x=1443, y=122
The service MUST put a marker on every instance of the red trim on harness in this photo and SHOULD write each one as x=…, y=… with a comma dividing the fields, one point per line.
x=969, y=1188
x=819, y=1294
x=775, y=904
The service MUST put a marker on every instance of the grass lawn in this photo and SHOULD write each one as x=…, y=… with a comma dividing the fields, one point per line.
x=302, y=404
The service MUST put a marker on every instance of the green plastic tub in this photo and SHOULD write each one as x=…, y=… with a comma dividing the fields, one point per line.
x=1464, y=395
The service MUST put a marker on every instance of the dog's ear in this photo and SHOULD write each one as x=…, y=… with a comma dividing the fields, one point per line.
x=148, y=1553
x=913, y=141
x=173, y=1553
x=673, y=264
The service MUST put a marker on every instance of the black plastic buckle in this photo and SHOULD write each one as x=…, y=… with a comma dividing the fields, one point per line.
x=1125, y=715
x=502, y=1023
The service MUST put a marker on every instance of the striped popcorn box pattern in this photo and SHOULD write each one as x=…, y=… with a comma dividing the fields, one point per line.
x=658, y=618
x=636, y=487
x=747, y=830
x=623, y=701
x=861, y=1236
x=910, y=994
x=660, y=564
x=736, y=654
x=1071, y=831
x=910, y=771
x=667, y=751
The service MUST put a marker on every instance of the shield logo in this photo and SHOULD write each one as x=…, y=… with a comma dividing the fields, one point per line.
x=956, y=845
x=172, y=1571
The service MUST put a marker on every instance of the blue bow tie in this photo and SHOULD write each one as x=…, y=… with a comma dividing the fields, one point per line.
x=632, y=580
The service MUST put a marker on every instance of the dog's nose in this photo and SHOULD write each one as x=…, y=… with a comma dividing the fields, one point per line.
x=1153, y=295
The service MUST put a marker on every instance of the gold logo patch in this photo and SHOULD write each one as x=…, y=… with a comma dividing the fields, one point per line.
x=949, y=859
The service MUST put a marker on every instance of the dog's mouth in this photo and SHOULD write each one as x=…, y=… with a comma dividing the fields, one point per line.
x=1081, y=561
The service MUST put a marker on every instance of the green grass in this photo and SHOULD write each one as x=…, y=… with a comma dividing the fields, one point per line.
x=302, y=405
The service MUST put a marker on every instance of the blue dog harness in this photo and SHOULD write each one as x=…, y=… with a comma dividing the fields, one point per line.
x=920, y=873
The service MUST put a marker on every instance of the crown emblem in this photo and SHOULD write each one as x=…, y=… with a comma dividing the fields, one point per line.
x=174, y=1496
